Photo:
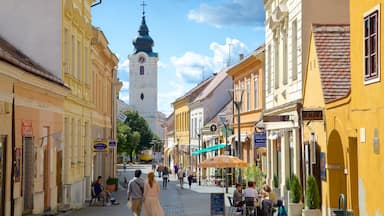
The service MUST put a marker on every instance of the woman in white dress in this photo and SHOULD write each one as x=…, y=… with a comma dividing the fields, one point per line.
x=151, y=199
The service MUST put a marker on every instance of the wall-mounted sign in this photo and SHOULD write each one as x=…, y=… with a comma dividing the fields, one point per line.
x=260, y=139
x=213, y=127
x=26, y=128
x=276, y=118
x=121, y=116
x=100, y=146
x=312, y=115
x=112, y=144
x=323, y=173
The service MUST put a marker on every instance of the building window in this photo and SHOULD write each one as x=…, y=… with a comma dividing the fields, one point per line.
x=141, y=70
x=241, y=92
x=269, y=71
x=73, y=55
x=277, y=71
x=79, y=61
x=256, y=92
x=371, y=65
x=66, y=62
x=86, y=66
x=294, y=50
x=142, y=96
x=285, y=60
x=248, y=94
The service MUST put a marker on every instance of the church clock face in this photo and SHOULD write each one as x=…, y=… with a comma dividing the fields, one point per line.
x=141, y=59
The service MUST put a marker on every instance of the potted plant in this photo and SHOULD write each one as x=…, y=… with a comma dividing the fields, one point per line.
x=275, y=184
x=295, y=206
x=312, y=198
x=112, y=184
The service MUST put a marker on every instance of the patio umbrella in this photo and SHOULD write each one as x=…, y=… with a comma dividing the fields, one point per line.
x=223, y=161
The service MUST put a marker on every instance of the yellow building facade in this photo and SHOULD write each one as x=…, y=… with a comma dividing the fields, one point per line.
x=330, y=147
x=105, y=90
x=366, y=109
x=31, y=116
x=248, y=76
x=181, y=133
x=76, y=46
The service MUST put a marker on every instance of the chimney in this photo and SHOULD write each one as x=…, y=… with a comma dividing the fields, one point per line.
x=241, y=56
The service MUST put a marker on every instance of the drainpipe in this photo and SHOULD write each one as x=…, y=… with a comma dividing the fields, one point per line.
x=13, y=151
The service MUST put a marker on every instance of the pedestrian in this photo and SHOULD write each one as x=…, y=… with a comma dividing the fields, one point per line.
x=153, y=166
x=99, y=190
x=180, y=175
x=165, y=177
x=135, y=193
x=152, y=205
x=159, y=170
x=176, y=169
x=190, y=178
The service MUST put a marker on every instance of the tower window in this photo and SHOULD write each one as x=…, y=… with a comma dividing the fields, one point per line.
x=142, y=96
x=141, y=70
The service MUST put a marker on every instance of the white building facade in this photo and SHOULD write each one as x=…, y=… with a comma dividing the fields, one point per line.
x=288, y=26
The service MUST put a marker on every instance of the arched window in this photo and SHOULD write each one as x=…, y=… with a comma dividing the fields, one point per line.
x=141, y=70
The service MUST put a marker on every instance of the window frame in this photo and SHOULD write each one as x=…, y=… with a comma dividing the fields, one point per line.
x=141, y=70
x=372, y=79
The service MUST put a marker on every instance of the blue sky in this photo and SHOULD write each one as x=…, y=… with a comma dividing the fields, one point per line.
x=193, y=38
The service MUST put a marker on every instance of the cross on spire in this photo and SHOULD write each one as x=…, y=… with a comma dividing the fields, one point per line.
x=143, y=4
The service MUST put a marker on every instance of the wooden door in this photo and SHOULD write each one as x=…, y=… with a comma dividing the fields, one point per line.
x=46, y=179
x=59, y=163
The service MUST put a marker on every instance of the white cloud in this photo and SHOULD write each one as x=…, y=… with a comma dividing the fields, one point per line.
x=124, y=96
x=191, y=66
x=230, y=12
x=125, y=85
x=161, y=64
x=123, y=65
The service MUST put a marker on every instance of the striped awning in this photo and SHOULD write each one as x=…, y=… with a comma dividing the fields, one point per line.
x=210, y=148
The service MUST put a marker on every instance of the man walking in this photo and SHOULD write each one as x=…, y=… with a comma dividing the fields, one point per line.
x=181, y=176
x=135, y=193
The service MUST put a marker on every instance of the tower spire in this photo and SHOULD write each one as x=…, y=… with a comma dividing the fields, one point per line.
x=143, y=5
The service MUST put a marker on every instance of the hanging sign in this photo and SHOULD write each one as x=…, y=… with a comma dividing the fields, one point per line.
x=112, y=144
x=260, y=139
x=100, y=146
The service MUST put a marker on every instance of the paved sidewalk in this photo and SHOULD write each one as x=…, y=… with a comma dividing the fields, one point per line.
x=174, y=200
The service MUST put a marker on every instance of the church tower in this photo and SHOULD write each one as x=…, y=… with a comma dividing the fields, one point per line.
x=143, y=76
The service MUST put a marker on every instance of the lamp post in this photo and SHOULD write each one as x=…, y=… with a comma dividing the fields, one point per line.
x=198, y=136
x=237, y=96
x=223, y=119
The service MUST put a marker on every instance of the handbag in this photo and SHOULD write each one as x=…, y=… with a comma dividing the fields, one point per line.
x=129, y=204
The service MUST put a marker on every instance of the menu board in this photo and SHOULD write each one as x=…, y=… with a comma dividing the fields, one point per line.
x=217, y=204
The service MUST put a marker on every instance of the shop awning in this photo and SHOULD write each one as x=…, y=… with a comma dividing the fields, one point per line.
x=211, y=148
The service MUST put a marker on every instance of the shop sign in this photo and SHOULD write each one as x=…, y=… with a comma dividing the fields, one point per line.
x=100, y=146
x=26, y=128
x=112, y=144
x=260, y=139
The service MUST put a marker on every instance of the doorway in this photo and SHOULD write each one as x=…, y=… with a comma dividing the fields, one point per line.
x=28, y=170
x=3, y=144
x=59, y=158
x=335, y=166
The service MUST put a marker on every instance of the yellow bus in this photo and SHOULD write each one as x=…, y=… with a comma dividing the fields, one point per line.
x=146, y=155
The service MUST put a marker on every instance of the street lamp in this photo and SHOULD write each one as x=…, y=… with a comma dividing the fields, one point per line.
x=237, y=97
x=223, y=119
x=198, y=136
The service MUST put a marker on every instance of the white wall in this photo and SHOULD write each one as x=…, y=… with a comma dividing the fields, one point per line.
x=34, y=27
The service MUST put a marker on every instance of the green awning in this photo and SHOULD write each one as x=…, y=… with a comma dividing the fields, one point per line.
x=211, y=148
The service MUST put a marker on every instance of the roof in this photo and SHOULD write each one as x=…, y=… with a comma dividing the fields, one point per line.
x=228, y=110
x=332, y=47
x=195, y=91
x=10, y=54
x=216, y=81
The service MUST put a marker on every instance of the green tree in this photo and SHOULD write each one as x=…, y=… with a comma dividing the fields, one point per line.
x=125, y=140
x=138, y=123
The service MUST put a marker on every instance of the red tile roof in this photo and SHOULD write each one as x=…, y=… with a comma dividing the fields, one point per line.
x=10, y=54
x=332, y=46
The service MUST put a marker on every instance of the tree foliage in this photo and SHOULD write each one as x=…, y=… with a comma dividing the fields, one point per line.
x=312, y=195
x=138, y=123
x=295, y=189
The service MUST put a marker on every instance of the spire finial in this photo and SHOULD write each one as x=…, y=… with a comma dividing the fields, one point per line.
x=143, y=4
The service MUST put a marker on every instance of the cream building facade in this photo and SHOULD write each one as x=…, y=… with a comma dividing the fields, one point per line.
x=105, y=90
x=288, y=25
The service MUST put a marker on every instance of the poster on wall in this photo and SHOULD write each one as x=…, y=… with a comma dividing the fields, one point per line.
x=18, y=165
x=323, y=173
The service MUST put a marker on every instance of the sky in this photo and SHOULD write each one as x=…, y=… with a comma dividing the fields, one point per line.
x=194, y=38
